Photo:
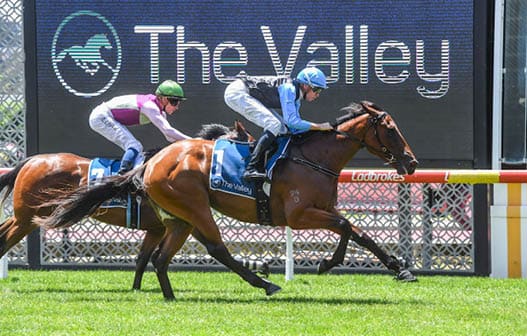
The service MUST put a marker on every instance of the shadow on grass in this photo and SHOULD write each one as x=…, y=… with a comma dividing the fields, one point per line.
x=222, y=296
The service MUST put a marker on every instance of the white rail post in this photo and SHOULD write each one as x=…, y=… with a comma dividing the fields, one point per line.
x=289, y=262
x=3, y=267
x=3, y=260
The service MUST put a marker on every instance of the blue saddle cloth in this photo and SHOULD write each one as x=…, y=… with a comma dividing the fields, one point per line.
x=229, y=160
x=100, y=168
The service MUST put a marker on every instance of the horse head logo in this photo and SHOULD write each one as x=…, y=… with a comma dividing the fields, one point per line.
x=99, y=69
x=88, y=57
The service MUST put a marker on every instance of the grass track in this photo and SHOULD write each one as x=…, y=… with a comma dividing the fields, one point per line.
x=101, y=303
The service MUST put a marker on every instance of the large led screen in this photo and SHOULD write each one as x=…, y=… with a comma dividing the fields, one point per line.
x=412, y=57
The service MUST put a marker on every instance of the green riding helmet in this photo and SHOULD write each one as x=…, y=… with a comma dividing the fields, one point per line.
x=170, y=89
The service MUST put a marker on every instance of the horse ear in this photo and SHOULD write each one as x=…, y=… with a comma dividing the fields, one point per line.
x=238, y=126
x=371, y=107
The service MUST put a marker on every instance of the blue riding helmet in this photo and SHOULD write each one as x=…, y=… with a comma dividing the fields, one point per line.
x=312, y=77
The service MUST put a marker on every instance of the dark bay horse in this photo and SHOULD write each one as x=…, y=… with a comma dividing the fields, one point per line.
x=37, y=179
x=303, y=193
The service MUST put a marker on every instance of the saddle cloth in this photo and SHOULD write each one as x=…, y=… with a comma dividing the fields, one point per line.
x=229, y=160
x=103, y=167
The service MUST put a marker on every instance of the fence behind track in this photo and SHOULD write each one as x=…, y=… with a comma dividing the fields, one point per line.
x=430, y=225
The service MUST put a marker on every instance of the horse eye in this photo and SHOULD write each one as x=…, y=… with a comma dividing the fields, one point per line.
x=390, y=127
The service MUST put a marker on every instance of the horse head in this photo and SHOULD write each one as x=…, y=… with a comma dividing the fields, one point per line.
x=381, y=136
x=99, y=41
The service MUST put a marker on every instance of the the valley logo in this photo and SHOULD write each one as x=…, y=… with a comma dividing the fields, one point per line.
x=86, y=53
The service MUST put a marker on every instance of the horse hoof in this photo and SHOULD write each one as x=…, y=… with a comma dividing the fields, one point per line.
x=272, y=289
x=405, y=276
x=323, y=267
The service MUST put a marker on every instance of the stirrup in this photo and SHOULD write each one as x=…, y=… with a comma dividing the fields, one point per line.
x=253, y=175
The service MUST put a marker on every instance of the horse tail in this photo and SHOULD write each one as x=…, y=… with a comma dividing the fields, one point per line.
x=7, y=180
x=73, y=206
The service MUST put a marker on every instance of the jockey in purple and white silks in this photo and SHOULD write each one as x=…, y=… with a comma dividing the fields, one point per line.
x=256, y=97
x=111, y=119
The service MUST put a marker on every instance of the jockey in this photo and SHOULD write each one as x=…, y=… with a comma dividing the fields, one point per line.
x=256, y=98
x=111, y=118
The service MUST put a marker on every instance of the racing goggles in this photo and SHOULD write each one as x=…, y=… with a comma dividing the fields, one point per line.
x=316, y=89
x=173, y=101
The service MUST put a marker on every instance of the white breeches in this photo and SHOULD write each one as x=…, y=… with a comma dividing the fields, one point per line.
x=237, y=97
x=102, y=122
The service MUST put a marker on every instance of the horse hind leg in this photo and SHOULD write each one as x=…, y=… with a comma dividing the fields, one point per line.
x=222, y=254
x=261, y=267
x=209, y=235
x=150, y=242
x=11, y=232
x=172, y=242
x=3, y=241
x=191, y=203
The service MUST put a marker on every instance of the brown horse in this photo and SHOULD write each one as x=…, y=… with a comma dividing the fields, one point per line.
x=303, y=193
x=36, y=180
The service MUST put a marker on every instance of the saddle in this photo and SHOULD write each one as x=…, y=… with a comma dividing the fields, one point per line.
x=229, y=160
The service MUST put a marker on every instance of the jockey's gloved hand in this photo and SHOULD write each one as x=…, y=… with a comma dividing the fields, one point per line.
x=325, y=126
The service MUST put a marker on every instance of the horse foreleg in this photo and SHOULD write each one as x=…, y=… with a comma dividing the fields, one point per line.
x=391, y=262
x=150, y=242
x=172, y=242
x=339, y=254
x=314, y=218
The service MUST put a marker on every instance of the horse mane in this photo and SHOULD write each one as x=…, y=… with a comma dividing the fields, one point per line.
x=212, y=131
x=207, y=132
x=353, y=110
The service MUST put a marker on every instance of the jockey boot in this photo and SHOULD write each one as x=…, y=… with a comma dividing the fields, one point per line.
x=126, y=166
x=127, y=162
x=255, y=161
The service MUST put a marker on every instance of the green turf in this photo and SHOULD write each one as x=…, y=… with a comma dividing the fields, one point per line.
x=101, y=303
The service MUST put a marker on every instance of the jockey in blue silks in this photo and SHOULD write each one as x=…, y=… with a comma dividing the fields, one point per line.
x=256, y=97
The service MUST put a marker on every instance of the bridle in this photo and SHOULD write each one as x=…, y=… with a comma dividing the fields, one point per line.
x=373, y=123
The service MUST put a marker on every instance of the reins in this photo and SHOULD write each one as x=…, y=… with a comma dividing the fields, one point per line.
x=315, y=166
x=373, y=122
